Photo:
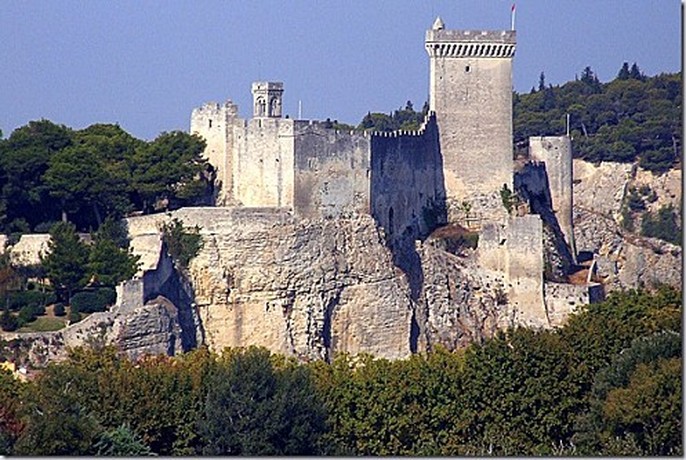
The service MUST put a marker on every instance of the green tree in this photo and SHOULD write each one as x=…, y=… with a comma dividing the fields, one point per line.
x=121, y=442
x=624, y=72
x=110, y=263
x=253, y=408
x=169, y=168
x=67, y=259
x=182, y=243
x=57, y=420
x=24, y=158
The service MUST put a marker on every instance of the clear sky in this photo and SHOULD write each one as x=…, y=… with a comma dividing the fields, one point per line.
x=145, y=64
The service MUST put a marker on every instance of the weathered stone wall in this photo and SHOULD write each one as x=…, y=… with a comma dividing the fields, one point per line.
x=332, y=171
x=214, y=122
x=524, y=269
x=563, y=299
x=471, y=93
x=263, y=159
x=556, y=153
x=29, y=249
x=406, y=179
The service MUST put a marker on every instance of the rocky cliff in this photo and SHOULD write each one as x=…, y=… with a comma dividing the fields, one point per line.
x=624, y=259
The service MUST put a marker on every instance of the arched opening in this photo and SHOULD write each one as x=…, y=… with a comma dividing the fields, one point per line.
x=260, y=107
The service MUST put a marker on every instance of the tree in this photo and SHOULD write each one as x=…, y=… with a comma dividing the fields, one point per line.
x=110, y=261
x=541, y=82
x=624, y=72
x=182, y=243
x=169, y=168
x=24, y=158
x=8, y=322
x=67, y=260
x=253, y=408
x=121, y=442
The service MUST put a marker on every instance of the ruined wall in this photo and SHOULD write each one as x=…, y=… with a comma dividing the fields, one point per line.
x=29, y=249
x=492, y=250
x=556, y=153
x=524, y=269
x=563, y=299
x=406, y=179
x=214, y=122
x=263, y=158
x=471, y=93
x=332, y=171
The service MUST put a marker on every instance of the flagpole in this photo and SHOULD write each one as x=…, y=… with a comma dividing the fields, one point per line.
x=513, y=17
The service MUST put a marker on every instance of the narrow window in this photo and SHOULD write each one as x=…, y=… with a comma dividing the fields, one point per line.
x=210, y=123
x=467, y=69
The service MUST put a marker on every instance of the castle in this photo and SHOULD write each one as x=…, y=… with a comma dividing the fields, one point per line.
x=453, y=169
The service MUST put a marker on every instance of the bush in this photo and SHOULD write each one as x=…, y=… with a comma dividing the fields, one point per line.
x=93, y=301
x=74, y=315
x=19, y=299
x=26, y=315
x=665, y=225
x=59, y=309
x=8, y=322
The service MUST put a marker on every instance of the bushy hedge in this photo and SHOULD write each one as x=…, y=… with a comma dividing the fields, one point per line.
x=19, y=299
x=93, y=300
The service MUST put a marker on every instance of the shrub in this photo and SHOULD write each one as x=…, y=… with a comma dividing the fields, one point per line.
x=26, y=315
x=93, y=301
x=664, y=225
x=8, y=322
x=74, y=315
x=59, y=309
x=19, y=299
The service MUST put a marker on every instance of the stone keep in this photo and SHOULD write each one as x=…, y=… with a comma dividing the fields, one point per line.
x=470, y=89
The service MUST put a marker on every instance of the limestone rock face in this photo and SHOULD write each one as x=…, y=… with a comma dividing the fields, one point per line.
x=626, y=261
x=151, y=329
x=308, y=288
x=601, y=188
x=460, y=303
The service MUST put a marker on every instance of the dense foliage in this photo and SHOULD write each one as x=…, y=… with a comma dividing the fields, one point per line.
x=607, y=383
x=49, y=172
x=633, y=117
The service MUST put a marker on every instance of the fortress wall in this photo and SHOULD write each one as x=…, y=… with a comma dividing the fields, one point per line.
x=209, y=219
x=556, y=153
x=563, y=299
x=524, y=261
x=406, y=178
x=263, y=162
x=331, y=171
x=491, y=249
x=214, y=123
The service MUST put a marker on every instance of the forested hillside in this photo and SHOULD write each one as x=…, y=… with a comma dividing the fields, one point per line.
x=608, y=383
x=633, y=117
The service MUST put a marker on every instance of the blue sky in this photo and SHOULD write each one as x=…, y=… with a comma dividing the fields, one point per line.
x=145, y=64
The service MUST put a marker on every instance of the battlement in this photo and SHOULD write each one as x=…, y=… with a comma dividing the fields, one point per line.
x=428, y=118
x=470, y=43
x=213, y=109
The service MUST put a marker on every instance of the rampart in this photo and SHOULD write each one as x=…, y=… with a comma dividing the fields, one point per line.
x=556, y=153
x=332, y=171
x=406, y=179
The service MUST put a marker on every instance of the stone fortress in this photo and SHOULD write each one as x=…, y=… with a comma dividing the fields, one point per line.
x=455, y=165
x=324, y=241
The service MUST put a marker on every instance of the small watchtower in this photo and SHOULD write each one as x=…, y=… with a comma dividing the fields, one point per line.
x=267, y=99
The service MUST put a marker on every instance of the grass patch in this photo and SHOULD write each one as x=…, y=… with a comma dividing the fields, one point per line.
x=43, y=324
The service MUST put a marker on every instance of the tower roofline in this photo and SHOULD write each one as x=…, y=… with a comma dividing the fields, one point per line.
x=471, y=36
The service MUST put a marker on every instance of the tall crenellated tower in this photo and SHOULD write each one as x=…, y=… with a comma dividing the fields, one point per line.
x=471, y=93
x=267, y=97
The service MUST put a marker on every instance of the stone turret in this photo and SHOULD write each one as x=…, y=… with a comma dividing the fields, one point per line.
x=267, y=99
x=471, y=93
